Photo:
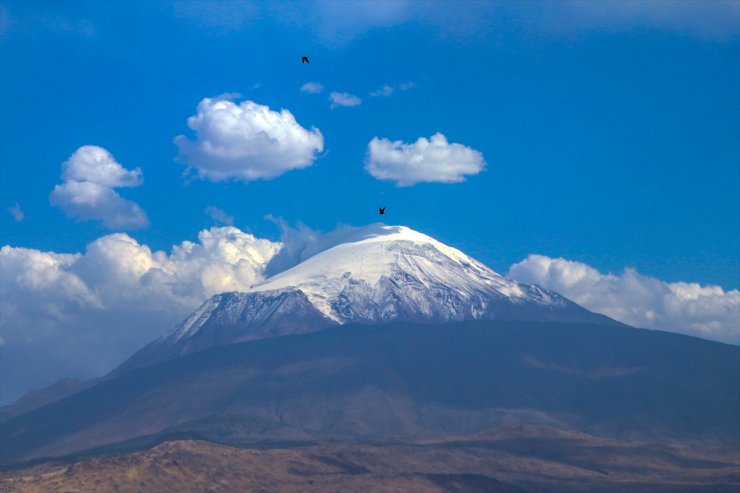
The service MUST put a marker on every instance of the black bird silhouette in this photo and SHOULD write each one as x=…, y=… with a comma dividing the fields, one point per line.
x=304, y=59
x=381, y=211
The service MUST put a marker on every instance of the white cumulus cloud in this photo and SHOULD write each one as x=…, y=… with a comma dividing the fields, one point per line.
x=426, y=160
x=312, y=87
x=88, y=200
x=709, y=312
x=96, y=165
x=343, y=99
x=80, y=315
x=246, y=141
x=87, y=191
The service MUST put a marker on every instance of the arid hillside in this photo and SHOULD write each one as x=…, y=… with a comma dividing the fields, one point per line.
x=517, y=459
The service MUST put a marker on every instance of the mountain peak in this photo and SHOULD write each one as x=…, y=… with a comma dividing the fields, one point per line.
x=391, y=264
x=381, y=232
x=369, y=275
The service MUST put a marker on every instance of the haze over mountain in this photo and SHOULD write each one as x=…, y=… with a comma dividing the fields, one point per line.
x=370, y=275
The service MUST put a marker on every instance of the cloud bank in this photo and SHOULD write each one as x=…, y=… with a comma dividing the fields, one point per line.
x=688, y=308
x=80, y=315
x=87, y=192
x=433, y=160
x=246, y=141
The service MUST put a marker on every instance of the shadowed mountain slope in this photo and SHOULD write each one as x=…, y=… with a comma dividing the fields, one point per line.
x=405, y=379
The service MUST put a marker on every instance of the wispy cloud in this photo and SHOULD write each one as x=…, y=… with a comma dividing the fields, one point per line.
x=312, y=87
x=23, y=21
x=385, y=90
x=343, y=99
x=707, y=19
x=220, y=17
x=388, y=90
x=219, y=215
x=16, y=211
x=228, y=96
x=711, y=20
x=339, y=22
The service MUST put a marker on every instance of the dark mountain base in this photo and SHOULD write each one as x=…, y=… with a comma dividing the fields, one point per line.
x=46, y=395
x=374, y=382
x=509, y=460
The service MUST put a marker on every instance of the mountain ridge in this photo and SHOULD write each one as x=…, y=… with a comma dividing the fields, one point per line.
x=370, y=275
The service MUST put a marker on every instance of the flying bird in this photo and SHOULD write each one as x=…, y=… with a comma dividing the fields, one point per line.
x=381, y=211
x=304, y=59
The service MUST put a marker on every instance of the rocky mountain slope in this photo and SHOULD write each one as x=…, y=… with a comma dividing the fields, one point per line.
x=371, y=275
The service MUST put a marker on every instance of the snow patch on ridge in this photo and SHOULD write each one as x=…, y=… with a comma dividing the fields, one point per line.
x=195, y=321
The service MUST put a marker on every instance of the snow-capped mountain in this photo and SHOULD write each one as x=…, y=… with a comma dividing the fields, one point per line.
x=381, y=273
x=374, y=274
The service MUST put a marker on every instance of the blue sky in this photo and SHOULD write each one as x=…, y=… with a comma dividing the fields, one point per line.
x=609, y=131
x=617, y=148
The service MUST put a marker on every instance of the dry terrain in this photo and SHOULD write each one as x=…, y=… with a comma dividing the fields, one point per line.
x=506, y=460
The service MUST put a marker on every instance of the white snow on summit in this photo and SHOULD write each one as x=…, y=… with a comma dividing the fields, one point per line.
x=370, y=275
x=396, y=257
